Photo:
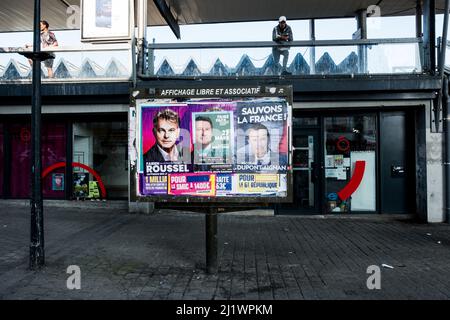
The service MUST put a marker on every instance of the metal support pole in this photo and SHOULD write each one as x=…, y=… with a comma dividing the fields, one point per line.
x=211, y=240
x=443, y=43
x=361, y=19
x=312, y=37
x=419, y=19
x=142, y=35
x=437, y=114
x=419, y=33
x=151, y=60
x=37, y=254
x=433, y=36
x=429, y=36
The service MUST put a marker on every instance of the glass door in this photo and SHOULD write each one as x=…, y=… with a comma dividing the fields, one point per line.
x=350, y=163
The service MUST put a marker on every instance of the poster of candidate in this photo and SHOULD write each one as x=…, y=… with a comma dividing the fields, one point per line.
x=262, y=136
x=212, y=148
x=212, y=137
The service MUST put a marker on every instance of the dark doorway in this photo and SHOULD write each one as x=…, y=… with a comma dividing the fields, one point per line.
x=396, y=159
x=306, y=173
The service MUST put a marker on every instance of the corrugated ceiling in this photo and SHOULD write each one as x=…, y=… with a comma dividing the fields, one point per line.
x=17, y=15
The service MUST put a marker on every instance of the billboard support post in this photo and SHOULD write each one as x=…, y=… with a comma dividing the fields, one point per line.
x=210, y=148
x=211, y=240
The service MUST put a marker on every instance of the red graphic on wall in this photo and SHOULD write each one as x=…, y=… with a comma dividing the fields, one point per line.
x=355, y=181
x=79, y=165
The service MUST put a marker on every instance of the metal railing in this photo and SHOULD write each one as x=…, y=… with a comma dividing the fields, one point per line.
x=310, y=57
x=102, y=62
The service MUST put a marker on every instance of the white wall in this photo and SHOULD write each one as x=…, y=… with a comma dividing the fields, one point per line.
x=435, y=177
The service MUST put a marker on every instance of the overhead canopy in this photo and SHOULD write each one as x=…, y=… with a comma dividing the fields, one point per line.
x=17, y=15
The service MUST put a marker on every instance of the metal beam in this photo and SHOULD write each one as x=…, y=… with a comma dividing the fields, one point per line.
x=262, y=44
x=314, y=84
x=361, y=21
x=419, y=13
x=429, y=36
x=443, y=44
x=312, y=37
x=433, y=36
x=419, y=32
x=426, y=36
x=164, y=9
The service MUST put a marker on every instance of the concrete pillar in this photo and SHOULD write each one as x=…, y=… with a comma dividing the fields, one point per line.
x=435, y=174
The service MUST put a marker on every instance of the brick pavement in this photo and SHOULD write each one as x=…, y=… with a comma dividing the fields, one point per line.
x=161, y=256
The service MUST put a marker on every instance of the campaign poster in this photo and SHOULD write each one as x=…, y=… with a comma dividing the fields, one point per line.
x=192, y=184
x=212, y=136
x=262, y=136
x=166, y=145
x=224, y=184
x=155, y=184
x=58, y=181
x=250, y=183
x=94, y=192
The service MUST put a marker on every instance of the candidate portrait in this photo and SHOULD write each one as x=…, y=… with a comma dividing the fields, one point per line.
x=257, y=149
x=166, y=130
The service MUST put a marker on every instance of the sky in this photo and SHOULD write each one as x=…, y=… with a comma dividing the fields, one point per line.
x=384, y=58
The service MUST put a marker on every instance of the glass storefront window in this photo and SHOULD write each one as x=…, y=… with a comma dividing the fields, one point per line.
x=350, y=141
x=53, y=150
x=302, y=122
x=103, y=147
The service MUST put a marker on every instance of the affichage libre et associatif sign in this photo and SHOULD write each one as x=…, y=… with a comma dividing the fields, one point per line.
x=213, y=147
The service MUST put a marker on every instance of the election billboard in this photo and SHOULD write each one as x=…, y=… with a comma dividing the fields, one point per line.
x=206, y=145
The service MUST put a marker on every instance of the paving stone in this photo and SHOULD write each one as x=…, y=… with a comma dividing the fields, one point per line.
x=124, y=256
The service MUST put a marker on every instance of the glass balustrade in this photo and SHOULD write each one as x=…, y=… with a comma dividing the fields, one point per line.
x=69, y=65
x=383, y=58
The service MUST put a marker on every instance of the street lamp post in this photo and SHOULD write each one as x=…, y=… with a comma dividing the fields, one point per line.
x=37, y=254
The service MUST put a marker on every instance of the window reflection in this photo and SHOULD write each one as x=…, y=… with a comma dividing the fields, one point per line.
x=103, y=147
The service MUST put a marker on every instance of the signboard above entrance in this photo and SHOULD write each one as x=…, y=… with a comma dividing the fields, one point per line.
x=211, y=144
